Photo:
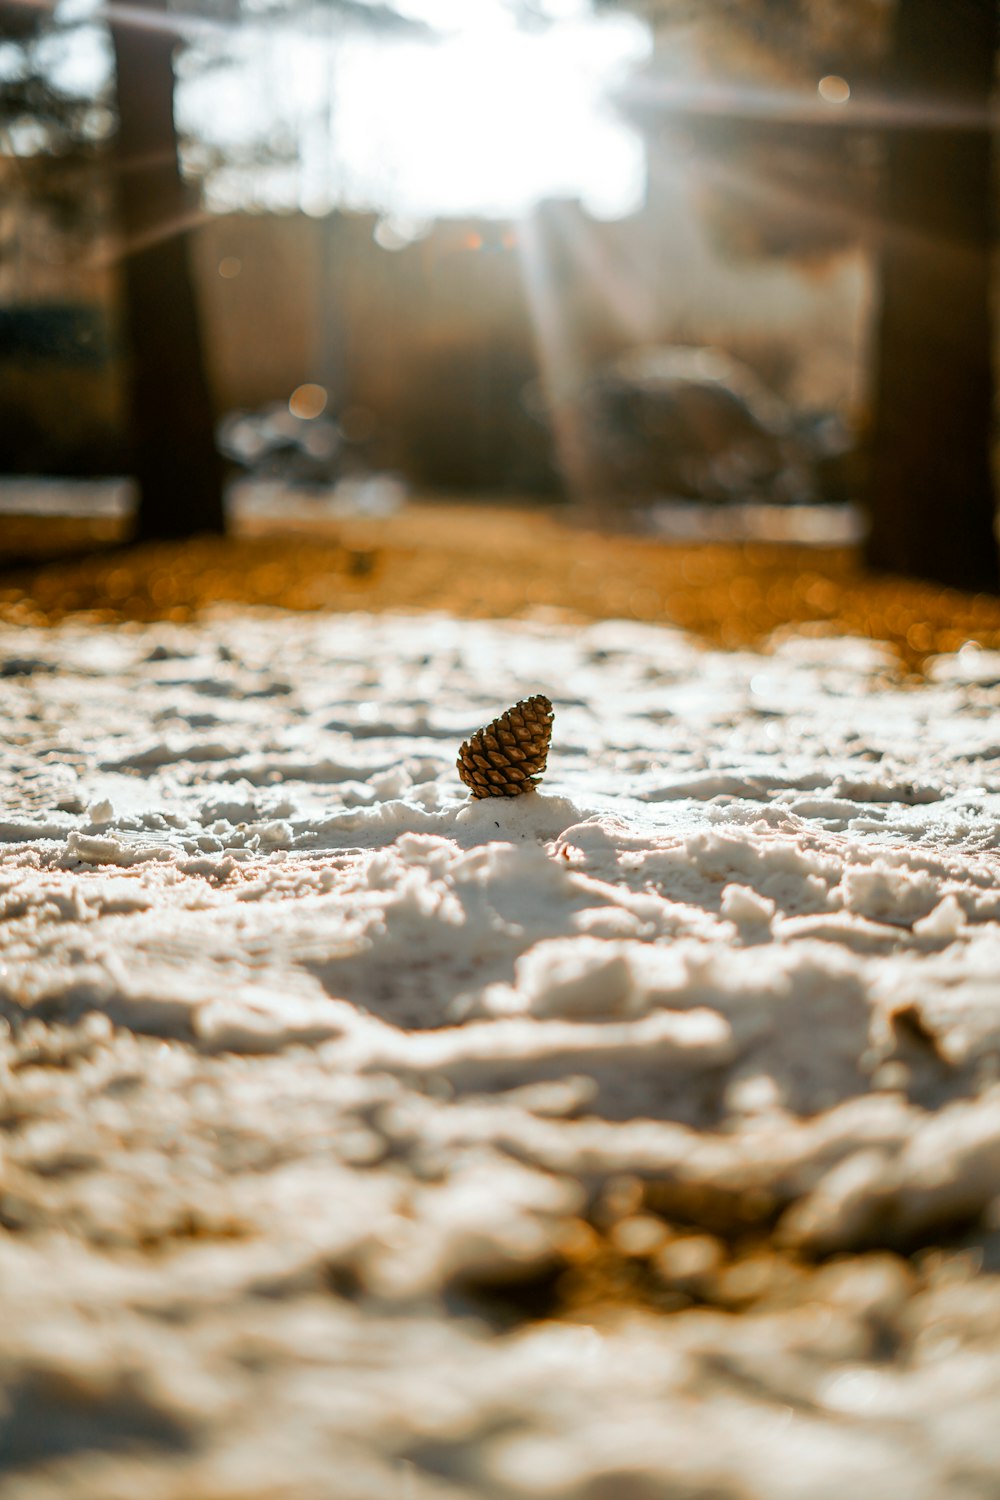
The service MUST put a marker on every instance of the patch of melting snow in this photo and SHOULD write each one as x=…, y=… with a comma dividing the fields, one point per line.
x=301, y=1051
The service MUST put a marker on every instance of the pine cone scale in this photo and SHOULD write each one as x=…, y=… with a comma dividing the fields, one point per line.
x=507, y=757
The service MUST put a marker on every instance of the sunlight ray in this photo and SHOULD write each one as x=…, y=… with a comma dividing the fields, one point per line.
x=848, y=218
x=183, y=26
x=560, y=359
x=151, y=161
x=623, y=290
x=853, y=110
x=121, y=248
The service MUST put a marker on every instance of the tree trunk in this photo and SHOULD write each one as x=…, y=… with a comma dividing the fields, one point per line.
x=171, y=426
x=931, y=496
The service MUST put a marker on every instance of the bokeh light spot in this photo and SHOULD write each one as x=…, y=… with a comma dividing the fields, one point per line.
x=834, y=89
x=307, y=401
x=230, y=266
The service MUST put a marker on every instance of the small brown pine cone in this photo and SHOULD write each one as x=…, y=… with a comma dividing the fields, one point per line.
x=508, y=756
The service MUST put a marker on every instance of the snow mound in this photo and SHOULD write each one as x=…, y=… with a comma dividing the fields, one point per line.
x=320, y=1081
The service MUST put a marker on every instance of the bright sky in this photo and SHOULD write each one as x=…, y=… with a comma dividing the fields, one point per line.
x=487, y=120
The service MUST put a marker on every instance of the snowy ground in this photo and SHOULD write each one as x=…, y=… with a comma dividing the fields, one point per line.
x=320, y=1084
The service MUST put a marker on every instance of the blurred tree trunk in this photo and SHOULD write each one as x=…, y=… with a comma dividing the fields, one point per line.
x=931, y=497
x=171, y=427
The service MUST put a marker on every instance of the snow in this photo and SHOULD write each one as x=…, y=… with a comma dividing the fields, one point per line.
x=311, y=1068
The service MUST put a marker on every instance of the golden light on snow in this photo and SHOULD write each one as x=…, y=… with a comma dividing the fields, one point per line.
x=730, y=595
x=307, y=401
x=834, y=89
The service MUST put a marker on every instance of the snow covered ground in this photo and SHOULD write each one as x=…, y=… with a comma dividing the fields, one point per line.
x=321, y=1084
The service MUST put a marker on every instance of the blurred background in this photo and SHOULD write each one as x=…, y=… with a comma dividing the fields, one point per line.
x=704, y=271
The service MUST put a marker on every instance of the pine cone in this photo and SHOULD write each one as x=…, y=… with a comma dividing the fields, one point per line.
x=508, y=756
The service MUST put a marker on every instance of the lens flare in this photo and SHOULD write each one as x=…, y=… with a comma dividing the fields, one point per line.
x=834, y=89
x=307, y=401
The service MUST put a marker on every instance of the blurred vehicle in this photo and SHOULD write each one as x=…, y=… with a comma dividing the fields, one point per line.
x=671, y=422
